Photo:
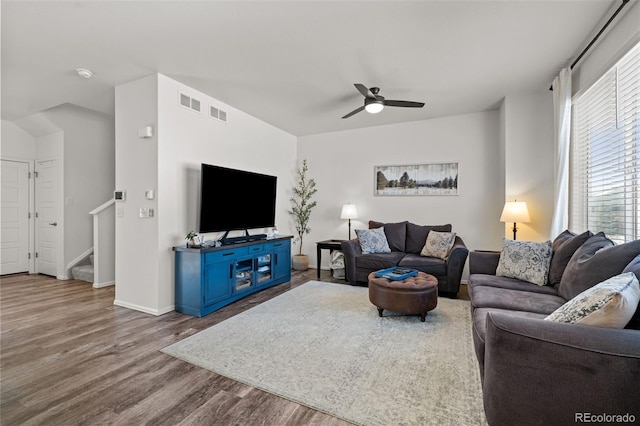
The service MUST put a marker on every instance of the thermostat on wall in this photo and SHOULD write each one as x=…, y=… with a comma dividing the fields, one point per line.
x=119, y=195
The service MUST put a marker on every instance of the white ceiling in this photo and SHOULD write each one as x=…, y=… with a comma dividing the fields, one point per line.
x=293, y=63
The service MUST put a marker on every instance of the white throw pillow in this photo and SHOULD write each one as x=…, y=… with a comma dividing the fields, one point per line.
x=438, y=244
x=373, y=240
x=610, y=304
x=525, y=260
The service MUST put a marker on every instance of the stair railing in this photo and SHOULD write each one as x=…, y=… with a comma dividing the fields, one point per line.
x=104, y=244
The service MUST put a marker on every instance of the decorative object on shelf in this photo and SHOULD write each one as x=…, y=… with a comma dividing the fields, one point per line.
x=417, y=179
x=516, y=212
x=349, y=212
x=301, y=206
x=192, y=240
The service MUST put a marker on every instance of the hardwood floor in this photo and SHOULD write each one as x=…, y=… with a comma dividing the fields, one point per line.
x=69, y=356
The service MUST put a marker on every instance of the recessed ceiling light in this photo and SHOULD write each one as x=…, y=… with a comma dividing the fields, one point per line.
x=84, y=73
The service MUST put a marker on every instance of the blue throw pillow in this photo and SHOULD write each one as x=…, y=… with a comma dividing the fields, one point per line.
x=373, y=240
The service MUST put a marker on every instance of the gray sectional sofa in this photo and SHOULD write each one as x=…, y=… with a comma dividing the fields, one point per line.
x=537, y=372
x=406, y=241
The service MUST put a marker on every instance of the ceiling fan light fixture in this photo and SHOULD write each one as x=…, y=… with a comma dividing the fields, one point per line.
x=374, y=107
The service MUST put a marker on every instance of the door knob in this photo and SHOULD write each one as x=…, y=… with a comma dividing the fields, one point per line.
x=53, y=223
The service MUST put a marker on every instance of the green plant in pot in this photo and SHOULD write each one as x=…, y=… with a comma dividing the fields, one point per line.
x=191, y=239
x=301, y=206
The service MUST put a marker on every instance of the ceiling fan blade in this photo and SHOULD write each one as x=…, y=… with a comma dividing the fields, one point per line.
x=355, y=111
x=406, y=104
x=365, y=92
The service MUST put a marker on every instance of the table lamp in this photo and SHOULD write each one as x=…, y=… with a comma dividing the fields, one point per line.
x=515, y=211
x=349, y=212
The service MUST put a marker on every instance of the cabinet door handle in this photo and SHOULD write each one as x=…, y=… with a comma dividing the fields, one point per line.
x=276, y=258
x=230, y=271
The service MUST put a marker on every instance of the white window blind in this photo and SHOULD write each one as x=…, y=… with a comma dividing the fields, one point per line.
x=605, y=153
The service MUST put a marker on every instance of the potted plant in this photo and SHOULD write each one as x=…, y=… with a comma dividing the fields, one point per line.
x=191, y=238
x=301, y=206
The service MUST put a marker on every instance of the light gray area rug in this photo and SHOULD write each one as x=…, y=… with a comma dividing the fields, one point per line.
x=324, y=346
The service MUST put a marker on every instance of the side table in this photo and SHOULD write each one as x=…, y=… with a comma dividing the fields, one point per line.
x=330, y=245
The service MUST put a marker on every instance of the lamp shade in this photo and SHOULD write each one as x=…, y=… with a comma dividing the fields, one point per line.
x=349, y=212
x=515, y=211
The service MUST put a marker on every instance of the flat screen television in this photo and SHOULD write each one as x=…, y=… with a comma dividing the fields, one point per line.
x=233, y=199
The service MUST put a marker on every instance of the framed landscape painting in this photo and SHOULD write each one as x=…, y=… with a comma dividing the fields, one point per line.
x=417, y=179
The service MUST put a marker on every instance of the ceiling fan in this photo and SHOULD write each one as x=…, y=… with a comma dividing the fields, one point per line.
x=374, y=103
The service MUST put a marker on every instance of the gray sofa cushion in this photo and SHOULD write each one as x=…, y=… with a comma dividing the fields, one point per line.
x=429, y=265
x=564, y=246
x=590, y=265
x=417, y=235
x=396, y=233
x=375, y=261
x=634, y=266
x=514, y=300
x=476, y=280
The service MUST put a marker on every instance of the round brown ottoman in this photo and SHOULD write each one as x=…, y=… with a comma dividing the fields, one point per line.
x=413, y=295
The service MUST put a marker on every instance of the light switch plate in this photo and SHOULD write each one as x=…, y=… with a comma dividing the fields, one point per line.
x=146, y=213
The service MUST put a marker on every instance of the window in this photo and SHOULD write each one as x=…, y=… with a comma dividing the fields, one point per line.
x=605, y=153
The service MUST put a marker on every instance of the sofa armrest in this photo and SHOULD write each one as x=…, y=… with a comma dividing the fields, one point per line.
x=483, y=262
x=543, y=372
x=455, y=265
x=351, y=249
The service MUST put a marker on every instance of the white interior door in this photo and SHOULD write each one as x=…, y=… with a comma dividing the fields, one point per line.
x=14, y=217
x=46, y=217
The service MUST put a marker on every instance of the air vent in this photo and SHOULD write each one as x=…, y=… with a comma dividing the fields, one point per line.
x=189, y=102
x=217, y=113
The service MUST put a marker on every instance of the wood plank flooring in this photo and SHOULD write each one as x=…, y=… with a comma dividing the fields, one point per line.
x=68, y=356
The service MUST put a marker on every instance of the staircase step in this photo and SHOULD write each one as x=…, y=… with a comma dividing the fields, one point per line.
x=82, y=272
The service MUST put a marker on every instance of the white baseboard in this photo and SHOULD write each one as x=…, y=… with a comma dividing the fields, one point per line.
x=146, y=310
x=106, y=284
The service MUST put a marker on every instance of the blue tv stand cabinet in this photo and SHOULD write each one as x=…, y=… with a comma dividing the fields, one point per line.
x=209, y=278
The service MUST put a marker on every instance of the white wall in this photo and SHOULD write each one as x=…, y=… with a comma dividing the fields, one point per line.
x=137, y=284
x=185, y=140
x=169, y=163
x=342, y=163
x=16, y=143
x=529, y=160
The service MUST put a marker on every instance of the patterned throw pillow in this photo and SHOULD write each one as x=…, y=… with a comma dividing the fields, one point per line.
x=609, y=304
x=373, y=240
x=438, y=244
x=525, y=260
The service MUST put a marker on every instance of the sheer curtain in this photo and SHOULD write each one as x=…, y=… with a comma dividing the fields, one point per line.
x=562, y=136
